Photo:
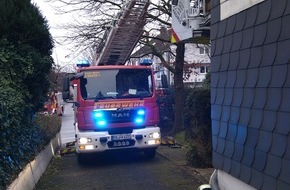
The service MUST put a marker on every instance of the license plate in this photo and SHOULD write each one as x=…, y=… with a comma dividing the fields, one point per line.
x=121, y=137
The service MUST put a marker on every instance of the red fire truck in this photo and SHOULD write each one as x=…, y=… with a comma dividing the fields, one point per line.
x=115, y=109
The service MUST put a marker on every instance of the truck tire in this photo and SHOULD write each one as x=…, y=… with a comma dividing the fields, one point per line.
x=150, y=153
x=82, y=159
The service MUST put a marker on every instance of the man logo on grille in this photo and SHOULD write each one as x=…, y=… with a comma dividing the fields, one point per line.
x=120, y=115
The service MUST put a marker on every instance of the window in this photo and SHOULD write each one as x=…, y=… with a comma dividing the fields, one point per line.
x=114, y=83
x=203, y=50
x=204, y=69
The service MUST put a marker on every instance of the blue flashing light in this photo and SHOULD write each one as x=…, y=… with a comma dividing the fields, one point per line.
x=141, y=112
x=98, y=114
x=146, y=61
x=140, y=117
x=83, y=63
x=102, y=123
x=99, y=118
x=139, y=120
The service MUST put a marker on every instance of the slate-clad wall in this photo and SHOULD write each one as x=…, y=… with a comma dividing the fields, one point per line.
x=250, y=93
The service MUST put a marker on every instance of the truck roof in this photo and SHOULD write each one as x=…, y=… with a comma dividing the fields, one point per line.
x=113, y=67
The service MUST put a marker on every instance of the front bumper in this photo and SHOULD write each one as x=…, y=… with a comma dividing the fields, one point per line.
x=90, y=142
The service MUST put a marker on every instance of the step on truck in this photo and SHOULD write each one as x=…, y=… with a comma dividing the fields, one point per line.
x=115, y=109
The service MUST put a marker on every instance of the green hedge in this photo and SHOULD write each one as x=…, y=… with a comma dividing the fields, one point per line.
x=22, y=133
x=197, y=123
x=198, y=127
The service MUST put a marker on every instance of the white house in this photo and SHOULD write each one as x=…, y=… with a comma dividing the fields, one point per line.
x=196, y=55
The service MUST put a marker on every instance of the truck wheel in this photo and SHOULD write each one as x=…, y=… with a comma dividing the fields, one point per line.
x=81, y=159
x=150, y=153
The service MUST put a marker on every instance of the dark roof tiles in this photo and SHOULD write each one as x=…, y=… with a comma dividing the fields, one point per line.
x=282, y=124
x=238, y=36
x=260, y=160
x=231, y=23
x=256, y=57
x=252, y=77
x=240, y=22
x=269, y=54
x=278, y=8
x=262, y=31
x=248, y=157
x=273, y=166
x=229, y=93
x=274, y=99
x=275, y=26
x=279, y=145
x=256, y=179
x=251, y=16
x=219, y=96
x=249, y=93
x=225, y=61
x=223, y=130
x=231, y=79
x=285, y=30
x=221, y=29
x=234, y=60
x=283, y=56
x=238, y=152
x=269, y=120
x=220, y=145
x=260, y=98
x=245, y=115
x=285, y=102
x=287, y=10
x=285, y=171
x=256, y=118
x=244, y=59
x=264, y=77
x=269, y=183
x=264, y=141
x=235, y=169
x=279, y=76
x=252, y=137
x=248, y=36
x=245, y=173
x=264, y=10
x=241, y=78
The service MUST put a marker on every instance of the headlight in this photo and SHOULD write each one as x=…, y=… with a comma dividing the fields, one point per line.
x=84, y=140
x=154, y=135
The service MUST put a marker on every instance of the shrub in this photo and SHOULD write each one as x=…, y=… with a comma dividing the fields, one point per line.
x=166, y=111
x=20, y=138
x=50, y=125
x=198, y=127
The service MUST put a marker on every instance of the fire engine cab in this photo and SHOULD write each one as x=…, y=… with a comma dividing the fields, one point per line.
x=115, y=109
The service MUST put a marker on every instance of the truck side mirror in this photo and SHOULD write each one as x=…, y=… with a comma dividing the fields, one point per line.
x=66, y=84
x=66, y=95
x=66, y=89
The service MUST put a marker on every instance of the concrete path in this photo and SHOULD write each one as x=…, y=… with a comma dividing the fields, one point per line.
x=67, y=132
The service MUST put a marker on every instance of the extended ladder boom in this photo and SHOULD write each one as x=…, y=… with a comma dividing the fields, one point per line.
x=124, y=34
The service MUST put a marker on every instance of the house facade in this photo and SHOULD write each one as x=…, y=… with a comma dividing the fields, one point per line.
x=197, y=64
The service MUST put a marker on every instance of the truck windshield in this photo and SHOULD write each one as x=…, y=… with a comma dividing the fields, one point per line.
x=116, y=83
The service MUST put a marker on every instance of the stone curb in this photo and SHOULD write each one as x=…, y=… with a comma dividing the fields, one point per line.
x=28, y=178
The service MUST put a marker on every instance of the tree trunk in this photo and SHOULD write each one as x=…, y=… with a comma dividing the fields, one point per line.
x=179, y=88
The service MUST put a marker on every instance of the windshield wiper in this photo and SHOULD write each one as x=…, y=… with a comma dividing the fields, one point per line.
x=100, y=96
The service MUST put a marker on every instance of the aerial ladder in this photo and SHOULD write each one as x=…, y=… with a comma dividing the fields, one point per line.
x=190, y=20
x=124, y=33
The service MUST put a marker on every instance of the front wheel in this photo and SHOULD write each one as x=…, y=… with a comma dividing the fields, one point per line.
x=150, y=153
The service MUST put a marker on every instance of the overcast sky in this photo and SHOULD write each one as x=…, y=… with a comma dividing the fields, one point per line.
x=61, y=53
